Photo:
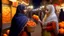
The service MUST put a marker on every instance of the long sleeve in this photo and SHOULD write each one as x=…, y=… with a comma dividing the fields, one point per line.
x=49, y=28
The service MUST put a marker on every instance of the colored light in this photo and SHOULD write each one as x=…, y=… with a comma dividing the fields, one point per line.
x=13, y=0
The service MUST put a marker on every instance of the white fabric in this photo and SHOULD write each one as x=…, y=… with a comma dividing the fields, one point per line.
x=52, y=16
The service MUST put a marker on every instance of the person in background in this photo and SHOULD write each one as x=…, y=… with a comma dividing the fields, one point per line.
x=61, y=16
x=50, y=20
x=18, y=24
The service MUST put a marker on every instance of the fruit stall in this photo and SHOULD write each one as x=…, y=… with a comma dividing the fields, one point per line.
x=9, y=10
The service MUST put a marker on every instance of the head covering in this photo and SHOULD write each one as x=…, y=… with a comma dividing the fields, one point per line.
x=18, y=22
x=51, y=10
x=20, y=8
x=52, y=16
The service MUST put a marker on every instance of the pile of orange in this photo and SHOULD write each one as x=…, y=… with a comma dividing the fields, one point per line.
x=6, y=15
x=31, y=26
x=31, y=23
x=61, y=31
x=61, y=26
x=36, y=17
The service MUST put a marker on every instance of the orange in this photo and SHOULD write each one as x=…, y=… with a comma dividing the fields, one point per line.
x=61, y=31
x=35, y=17
x=5, y=35
x=61, y=25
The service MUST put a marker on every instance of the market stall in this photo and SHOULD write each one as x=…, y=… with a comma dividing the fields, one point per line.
x=9, y=10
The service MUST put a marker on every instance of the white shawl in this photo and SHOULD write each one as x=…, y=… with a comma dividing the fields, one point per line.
x=52, y=17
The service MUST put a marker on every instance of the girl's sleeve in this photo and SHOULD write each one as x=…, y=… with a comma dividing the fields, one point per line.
x=51, y=26
x=45, y=17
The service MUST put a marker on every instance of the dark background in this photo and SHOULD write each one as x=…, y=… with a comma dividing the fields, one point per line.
x=0, y=17
x=36, y=3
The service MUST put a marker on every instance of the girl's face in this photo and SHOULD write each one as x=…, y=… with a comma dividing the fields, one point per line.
x=46, y=11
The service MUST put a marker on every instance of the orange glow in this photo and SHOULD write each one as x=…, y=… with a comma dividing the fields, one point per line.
x=5, y=35
x=62, y=5
x=15, y=4
x=6, y=14
x=7, y=31
x=13, y=11
x=5, y=1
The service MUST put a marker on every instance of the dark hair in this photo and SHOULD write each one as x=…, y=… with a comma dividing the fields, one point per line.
x=61, y=10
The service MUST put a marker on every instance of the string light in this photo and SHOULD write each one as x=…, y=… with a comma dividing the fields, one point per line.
x=30, y=7
x=42, y=7
x=13, y=0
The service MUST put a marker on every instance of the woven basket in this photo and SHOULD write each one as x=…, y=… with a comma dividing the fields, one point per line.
x=31, y=29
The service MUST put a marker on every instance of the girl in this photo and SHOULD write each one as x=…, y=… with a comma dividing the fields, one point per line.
x=50, y=20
